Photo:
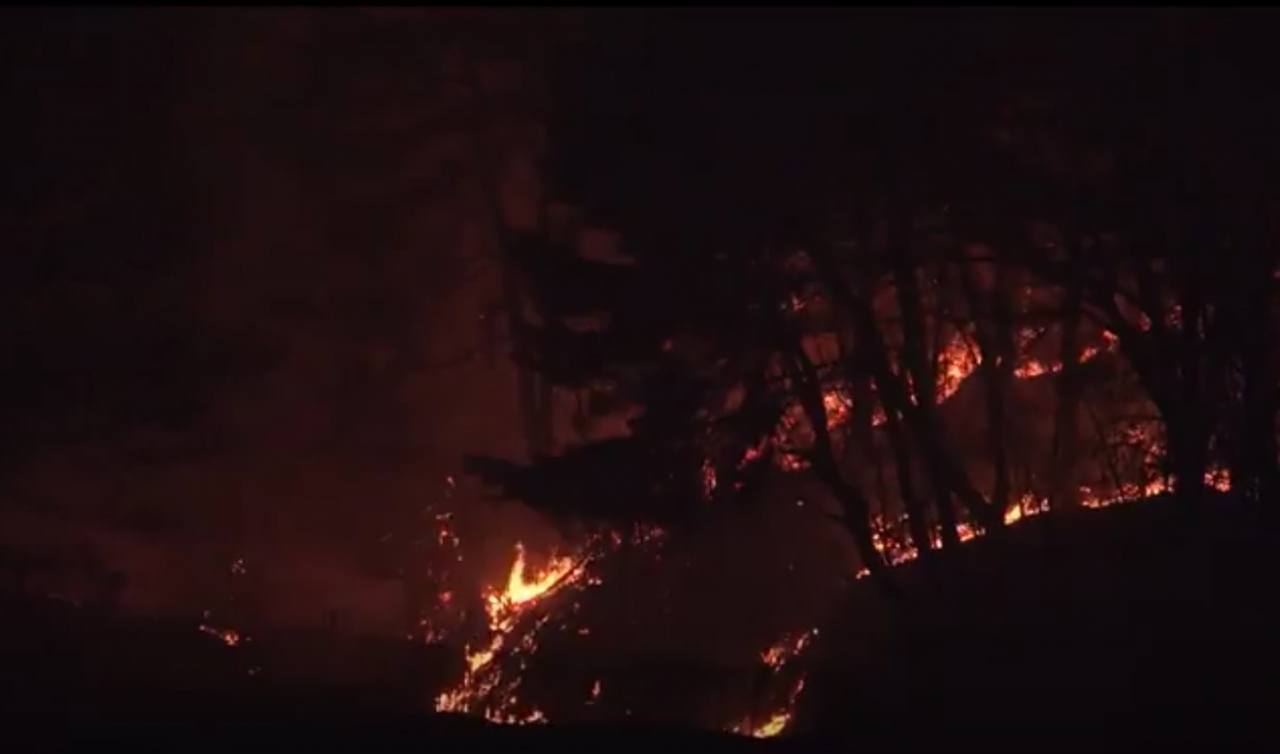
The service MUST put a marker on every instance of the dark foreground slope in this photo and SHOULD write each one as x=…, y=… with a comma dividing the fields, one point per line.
x=1116, y=630
x=1137, y=624
x=135, y=720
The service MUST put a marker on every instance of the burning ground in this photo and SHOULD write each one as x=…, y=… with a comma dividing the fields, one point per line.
x=529, y=624
x=516, y=621
x=535, y=626
x=541, y=600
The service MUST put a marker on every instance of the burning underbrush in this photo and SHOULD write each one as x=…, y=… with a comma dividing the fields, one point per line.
x=495, y=662
x=526, y=635
x=539, y=602
x=537, y=616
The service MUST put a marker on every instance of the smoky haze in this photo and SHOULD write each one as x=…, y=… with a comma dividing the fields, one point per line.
x=221, y=231
x=253, y=313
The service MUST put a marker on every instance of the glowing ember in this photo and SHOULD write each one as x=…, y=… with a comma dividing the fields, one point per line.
x=517, y=609
x=485, y=688
x=708, y=479
x=227, y=636
x=837, y=404
x=957, y=361
x=897, y=551
x=778, y=659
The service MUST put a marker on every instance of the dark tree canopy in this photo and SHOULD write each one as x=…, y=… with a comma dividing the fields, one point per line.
x=1037, y=175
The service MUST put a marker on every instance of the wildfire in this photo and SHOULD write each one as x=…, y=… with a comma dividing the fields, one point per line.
x=227, y=636
x=517, y=609
x=485, y=688
x=776, y=660
x=956, y=362
x=897, y=551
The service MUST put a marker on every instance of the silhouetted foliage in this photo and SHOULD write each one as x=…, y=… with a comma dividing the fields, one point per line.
x=887, y=220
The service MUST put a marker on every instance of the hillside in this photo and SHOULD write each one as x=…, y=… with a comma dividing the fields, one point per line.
x=1107, y=629
x=1136, y=620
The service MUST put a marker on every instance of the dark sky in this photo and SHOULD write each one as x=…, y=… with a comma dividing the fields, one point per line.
x=228, y=266
x=131, y=134
x=87, y=146
x=757, y=114
x=733, y=113
x=203, y=204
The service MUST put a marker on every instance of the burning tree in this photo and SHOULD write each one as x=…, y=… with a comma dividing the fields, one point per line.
x=1165, y=237
x=722, y=389
x=997, y=277
x=808, y=348
x=724, y=382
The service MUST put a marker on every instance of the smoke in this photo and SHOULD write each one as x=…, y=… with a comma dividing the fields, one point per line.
x=310, y=275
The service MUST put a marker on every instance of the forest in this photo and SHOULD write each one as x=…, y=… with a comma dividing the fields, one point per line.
x=998, y=296
x=413, y=359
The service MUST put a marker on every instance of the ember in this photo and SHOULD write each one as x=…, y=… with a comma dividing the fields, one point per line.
x=515, y=617
x=227, y=636
x=524, y=603
x=723, y=312
x=778, y=659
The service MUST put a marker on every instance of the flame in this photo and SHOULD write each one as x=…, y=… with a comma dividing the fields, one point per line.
x=484, y=687
x=779, y=655
x=525, y=585
x=837, y=404
x=956, y=362
x=518, y=608
x=708, y=479
x=897, y=550
x=776, y=659
x=227, y=636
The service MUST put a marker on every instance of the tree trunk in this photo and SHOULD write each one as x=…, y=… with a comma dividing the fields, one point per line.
x=993, y=331
x=917, y=513
x=1259, y=430
x=1257, y=475
x=854, y=504
x=1188, y=447
x=999, y=393
x=1169, y=369
x=533, y=419
x=912, y=504
x=1190, y=433
x=1064, y=457
x=947, y=476
x=857, y=514
x=531, y=395
x=892, y=390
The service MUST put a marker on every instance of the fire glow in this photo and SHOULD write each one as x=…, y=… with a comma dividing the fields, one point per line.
x=485, y=689
x=519, y=607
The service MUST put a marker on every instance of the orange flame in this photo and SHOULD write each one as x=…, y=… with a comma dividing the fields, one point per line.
x=493, y=665
x=227, y=636
x=484, y=686
x=778, y=658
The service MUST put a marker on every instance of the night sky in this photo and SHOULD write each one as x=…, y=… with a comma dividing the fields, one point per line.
x=280, y=289
x=248, y=285
x=239, y=245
